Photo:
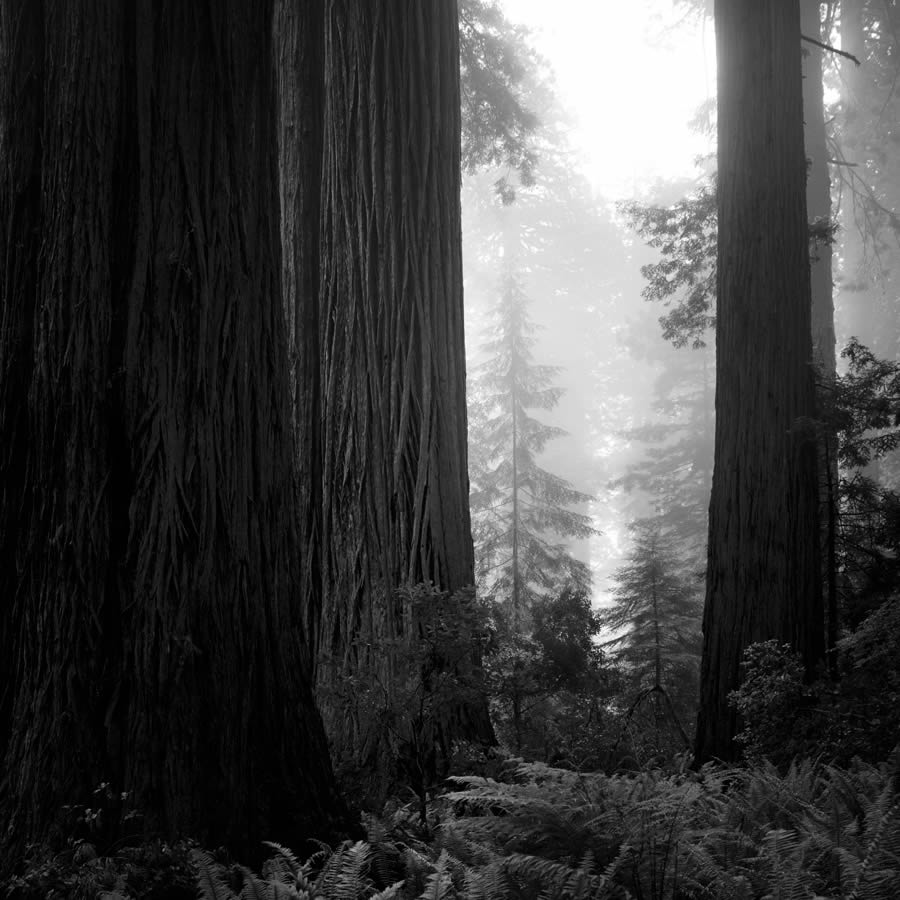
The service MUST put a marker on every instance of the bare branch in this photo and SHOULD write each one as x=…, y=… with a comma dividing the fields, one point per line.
x=830, y=49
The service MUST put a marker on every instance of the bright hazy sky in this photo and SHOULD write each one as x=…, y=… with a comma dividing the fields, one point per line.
x=631, y=85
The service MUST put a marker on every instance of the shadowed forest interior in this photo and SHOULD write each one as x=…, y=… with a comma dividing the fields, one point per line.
x=450, y=449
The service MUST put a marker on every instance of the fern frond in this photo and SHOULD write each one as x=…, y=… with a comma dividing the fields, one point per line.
x=439, y=884
x=559, y=879
x=881, y=863
x=287, y=856
x=211, y=883
x=281, y=891
x=353, y=879
x=255, y=888
x=488, y=882
x=389, y=893
x=385, y=862
x=376, y=830
x=343, y=875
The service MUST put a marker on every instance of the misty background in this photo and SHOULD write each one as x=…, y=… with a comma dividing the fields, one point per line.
x=579, y=259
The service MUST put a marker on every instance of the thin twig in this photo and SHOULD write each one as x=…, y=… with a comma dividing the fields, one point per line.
x=830, y=49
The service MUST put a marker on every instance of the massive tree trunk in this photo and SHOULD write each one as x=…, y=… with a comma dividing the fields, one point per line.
x=763, y=575
x=395, y=502
x=819, y=214
x=148, y=565
x=299, y=35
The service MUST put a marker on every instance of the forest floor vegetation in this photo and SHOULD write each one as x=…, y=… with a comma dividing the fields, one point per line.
x=533, y=831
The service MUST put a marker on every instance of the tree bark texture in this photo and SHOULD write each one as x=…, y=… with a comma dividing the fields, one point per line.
x=393, y=417
x=763, y=575
x=819, y=214
x=148, y=565
x=299, y=36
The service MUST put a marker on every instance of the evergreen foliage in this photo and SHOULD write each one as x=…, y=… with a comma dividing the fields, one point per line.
x=548, y=683
x=655, y=615
x=674, y=474
x=564, y=629
x=684, y=279
x=867, y=407
x=497, y=64
x=863, y=407
x=517, y=506
x=657, y=603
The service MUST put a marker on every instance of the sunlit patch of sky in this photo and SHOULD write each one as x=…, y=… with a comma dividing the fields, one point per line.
x=632, y=80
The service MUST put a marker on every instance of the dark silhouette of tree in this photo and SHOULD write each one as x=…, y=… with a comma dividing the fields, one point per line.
x=763, y=575
x=547, y=681
x=657, y=607
x=564, y=628
x=684, y=279
x=519, y=507
x=149, y=632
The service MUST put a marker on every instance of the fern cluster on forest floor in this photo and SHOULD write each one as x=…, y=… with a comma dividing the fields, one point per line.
x=816, y=831
x=540, y=832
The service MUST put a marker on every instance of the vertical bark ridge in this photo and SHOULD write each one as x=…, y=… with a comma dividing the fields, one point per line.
x=299, y=31
x=57, y=285
x=155, y=632
x=396, y=488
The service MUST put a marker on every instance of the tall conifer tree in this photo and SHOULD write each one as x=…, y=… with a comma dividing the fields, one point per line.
x=656, y=614
x=763, y=574
x=520, y=510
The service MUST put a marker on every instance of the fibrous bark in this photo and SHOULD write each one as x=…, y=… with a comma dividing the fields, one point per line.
x=393, y=417
x=819, y=214
x=299, y=36
x=763, y=575
x=150, y=633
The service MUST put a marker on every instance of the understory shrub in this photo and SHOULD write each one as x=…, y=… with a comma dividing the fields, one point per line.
x=857, y=715
x=154, y=870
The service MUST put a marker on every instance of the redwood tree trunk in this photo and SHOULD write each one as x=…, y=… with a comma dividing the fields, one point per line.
x=148, y=563
x=819, y=214
x=299, y=35
x=395, y=503
x=763, y=575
